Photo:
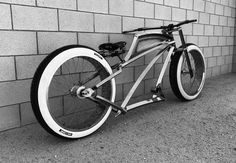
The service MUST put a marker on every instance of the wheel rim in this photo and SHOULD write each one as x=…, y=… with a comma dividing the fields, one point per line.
x=54, y=107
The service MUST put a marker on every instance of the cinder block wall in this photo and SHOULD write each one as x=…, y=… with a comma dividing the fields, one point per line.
x=31, y=29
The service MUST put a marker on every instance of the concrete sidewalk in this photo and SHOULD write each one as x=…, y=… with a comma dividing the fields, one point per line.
x=203, y=130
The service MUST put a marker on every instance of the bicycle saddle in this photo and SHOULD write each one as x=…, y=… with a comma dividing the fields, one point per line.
x=112, y=46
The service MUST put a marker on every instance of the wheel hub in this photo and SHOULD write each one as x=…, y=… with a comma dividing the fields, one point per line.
x=81, y=92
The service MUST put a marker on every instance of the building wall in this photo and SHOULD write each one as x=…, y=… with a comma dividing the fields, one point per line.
x=31, y=29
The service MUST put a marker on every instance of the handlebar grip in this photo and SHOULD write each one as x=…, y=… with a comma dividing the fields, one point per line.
x=185, y=22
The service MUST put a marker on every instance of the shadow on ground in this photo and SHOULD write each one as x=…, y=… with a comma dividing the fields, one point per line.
x=203, y=130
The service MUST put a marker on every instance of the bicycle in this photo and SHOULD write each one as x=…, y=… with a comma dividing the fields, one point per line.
x=81, y=76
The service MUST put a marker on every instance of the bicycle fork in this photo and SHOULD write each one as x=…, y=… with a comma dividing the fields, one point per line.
x=186, y=52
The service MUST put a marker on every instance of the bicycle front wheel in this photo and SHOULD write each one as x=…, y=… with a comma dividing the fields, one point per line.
x=57, y=106
x=183, y=85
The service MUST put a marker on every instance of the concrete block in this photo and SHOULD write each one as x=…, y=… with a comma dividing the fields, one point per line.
x=213, y=41
x=9, y=117
x=233, y=12
x=50, y=41
x=216, y=51
x=225, y=2
x=7, y=67
x=173, y=3
x=208, y=52
x=107, y=23
x=138, y=92
x=22, y=2
x=132, y=23
x=192, y=39
x=149, y=57
x=208, y=72
x=230, y=41
x=143, y=9
x=17, y=43
x=75, y=21
x=186, y=4
x=138, y=62
x=226, y=31
x=155, y=1
x=223, y=21
x=187, y=29
x=214, y=20
x=157, y=70
x=27, y=65
x=178, y=14
x=210, y=7
x=119, y=92
x=222, y=41
x=216, y=1
x=149, y=84
x=92, y=40
x=32, y=18
x=14, y=92
x=227, y=11
x=232, y=3
x=153, y=23
x=208, y=30
x=166, y=82
x=192, y=15
x=139, y=69
x=219, y=9
x=199, y=5
x=218, y=30
x=66, y=4
x=225, y=50
x=211, y=62
x=26, y=113
x=203, y=41
x=231, y=22
x=220, y=60
x=204, y=18
x=126, y=76
x=162, y=12
x=216, y=71
x=121, y=7
x=100, y=6
x=224, y=69
x=198, y=29
x=5, y=14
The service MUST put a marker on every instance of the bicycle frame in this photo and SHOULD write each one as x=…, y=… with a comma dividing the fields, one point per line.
x=167, y=44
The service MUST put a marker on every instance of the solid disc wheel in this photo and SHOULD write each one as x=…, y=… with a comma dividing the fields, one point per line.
x=183, y=85
x=54, y=92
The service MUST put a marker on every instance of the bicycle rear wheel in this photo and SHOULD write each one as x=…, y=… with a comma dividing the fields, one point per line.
x=183, y=86
x=55, y=103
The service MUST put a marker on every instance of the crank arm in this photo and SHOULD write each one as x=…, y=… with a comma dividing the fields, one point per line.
x=104, y=101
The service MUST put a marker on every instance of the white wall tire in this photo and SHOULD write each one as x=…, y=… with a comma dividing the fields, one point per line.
x=175, y=73
x=42, y=81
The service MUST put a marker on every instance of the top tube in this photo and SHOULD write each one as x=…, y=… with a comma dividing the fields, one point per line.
x=168, y=27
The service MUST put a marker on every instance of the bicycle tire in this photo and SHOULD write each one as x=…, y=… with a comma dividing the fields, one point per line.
x=177, y=82
x=51, y=106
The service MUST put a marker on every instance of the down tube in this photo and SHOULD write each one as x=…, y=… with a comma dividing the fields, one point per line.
x=140, y=78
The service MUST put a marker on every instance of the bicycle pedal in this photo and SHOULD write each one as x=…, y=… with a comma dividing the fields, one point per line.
x=158, y=92
x=156, y=97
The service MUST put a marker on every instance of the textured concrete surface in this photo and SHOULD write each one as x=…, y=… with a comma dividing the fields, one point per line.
x=203, y=130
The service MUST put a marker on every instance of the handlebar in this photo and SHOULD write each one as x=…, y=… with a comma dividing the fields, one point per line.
x=168, y=27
